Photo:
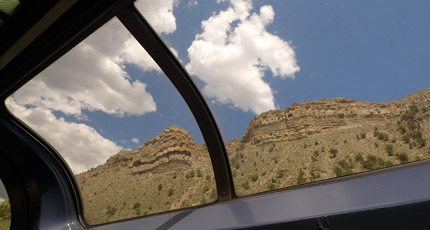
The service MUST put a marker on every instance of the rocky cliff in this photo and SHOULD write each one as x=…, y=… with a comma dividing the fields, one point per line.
x=173, y=149
x=306, y=118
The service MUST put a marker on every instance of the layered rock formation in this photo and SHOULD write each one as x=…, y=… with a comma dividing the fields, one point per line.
x=306, y=118
x=171, y=150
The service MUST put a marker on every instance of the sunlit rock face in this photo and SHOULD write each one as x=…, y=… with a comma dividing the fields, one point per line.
x=170, y=151
x=308, y=118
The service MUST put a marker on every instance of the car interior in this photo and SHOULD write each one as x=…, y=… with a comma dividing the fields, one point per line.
x=45, y=191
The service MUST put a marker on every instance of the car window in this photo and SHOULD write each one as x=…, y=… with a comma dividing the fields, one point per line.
x=5, y=213
x=125, y=132
x=305, y=91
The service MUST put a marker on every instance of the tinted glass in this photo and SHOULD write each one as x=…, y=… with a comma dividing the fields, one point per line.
x=306, y=90
x=122, y=127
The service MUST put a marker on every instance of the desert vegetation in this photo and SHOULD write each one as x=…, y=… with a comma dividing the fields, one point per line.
x=304, y=143
x=5, y=215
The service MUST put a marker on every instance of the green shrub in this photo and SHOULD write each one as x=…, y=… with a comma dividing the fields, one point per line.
x=300, y=178
x=170, y=192
x=160, y=187
x=333, y=153
x=403, y=157
x=382, y=136
x=136, y=205
x=372, y=162
x=343, y=168
x=206, y=188
x=271, y=186
x=409, y=115
x=363, y=135
x=421, y=142
x=314, y=175
x=388, y=163
x=412, y=125
x=316, y=153
x=279, y=173
x=359, y=157
x=138, y=212
x=418, y=135
x=314, y=159
x=389, y=149
x=254, y=177
x=199, y=173
x=190, y=174
x=111, y=211
x=245, y=185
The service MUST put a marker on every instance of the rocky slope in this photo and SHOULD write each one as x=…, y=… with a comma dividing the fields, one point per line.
x=305, y=142
x=169, y=171
x=5, y=215
x=307, y=118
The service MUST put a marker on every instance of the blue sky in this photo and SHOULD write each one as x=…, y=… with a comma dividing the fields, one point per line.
x=107, y=94
x=3, y=193
x=362, y=50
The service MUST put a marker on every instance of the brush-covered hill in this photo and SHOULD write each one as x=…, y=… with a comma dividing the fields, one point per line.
x=305, y=142
x=168, y=172
x=5, y=215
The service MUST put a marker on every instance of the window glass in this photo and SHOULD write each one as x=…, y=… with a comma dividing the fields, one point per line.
x=121, y=126
x=306, y=90
x=5, y=214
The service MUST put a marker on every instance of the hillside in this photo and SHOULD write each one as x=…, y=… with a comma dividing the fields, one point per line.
x=305, y=142
x=169, y=171
x=5, y=215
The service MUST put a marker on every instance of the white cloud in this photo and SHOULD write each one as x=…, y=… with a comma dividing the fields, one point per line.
x=91, y=77
x=192, y=3
x=80, y=145
x=231, y=59
x=135, y=140
x=159, y=13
